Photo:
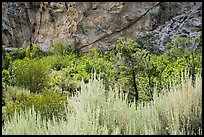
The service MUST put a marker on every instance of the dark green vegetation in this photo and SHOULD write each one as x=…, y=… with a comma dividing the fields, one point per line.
x=49, y=79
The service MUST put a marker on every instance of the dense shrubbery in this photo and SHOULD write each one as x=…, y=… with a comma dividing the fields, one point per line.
x=6, y=79
x=10, y=56
x=136, y=70
x=97, y=111
x=48, y=103
x=58, y=62
x=144, y=70
x=31, y=74
x=34, y=52
x=68, y=70
x=61, y=48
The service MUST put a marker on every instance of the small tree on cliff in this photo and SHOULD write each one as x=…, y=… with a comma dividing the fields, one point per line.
x=131, y=61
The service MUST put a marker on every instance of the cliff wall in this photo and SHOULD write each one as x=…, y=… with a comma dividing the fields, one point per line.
x=95, y=24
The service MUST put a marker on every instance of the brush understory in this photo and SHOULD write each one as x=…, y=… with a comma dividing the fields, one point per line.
x=97, y=111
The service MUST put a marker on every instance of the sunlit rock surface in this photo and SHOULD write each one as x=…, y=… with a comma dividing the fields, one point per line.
x=96, y=24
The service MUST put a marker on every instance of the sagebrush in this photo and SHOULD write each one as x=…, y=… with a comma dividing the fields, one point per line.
x=97, y=111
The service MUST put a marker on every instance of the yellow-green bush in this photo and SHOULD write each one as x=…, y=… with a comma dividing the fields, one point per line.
x=31, y=74
x=62, y=48
x=34, y=52
x=58, y=62
x=48, y=104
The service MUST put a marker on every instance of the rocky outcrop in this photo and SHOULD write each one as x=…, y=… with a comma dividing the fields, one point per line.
x=188, y=24
x=94, y=24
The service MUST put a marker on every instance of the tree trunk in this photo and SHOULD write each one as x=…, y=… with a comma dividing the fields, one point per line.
x=135, y=85
x=193, y=70
x=149, y=73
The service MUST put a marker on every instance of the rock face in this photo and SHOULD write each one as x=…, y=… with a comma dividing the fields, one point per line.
x=95, y=24
x=188, y=24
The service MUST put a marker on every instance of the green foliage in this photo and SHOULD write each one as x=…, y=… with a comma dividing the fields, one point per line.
x=131, y=66
x=184, y=53
x=10, y=56
x=64, y=82
x=34, y=52
x=11, y=94
x=64, y=47
x=131, y=63
x=68, y=70
x=153, y=69
x=6, y=79
x=101, y=64
x=48, y=104
x=58, y=62
x=30, y=74
x=17, y=54
x=6, y=60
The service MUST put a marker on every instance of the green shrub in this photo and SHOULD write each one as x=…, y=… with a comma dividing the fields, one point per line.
x=62, y=81
x=6, y=59
x=10, y=56
x=70, y=70
x=48, y=104
x=58, y=62
x=35, y=52
x=11, y=95
x=100, y=63
x=62, y=48
x=6, y=79
x=30, y=74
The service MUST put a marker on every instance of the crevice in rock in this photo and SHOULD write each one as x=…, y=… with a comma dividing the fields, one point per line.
x=21, y=29
x=120, y=30
x=9, y=37
x=66, y=6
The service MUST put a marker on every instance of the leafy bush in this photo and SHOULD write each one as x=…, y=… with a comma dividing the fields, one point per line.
x=10, y=56
x=6, y=79
x=100, y=63
x=34, y=52
x=58, y=62
x=30, y=74
x=11, y=95
x=97, y=111
x=183, y=54
x=64, y=47
x=17, y=54
x=68, y=70
x=61, y=81
x=6, y=59
x=48, y=104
